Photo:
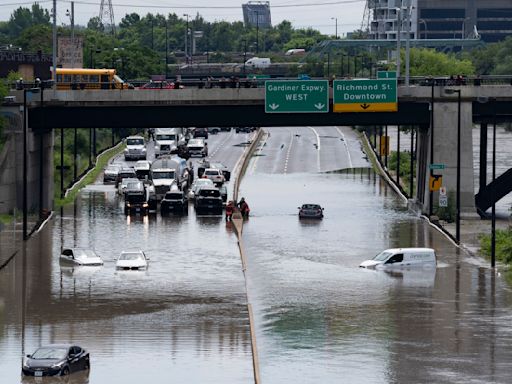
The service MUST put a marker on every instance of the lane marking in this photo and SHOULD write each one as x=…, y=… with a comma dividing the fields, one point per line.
x=317, y=147
x=346, y=146
x=288, y=152
x=258, y=152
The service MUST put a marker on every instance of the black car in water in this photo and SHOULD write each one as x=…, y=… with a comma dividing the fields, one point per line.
x=208, y=200
x=56, y=360
x=174, y=201
x=311, y=211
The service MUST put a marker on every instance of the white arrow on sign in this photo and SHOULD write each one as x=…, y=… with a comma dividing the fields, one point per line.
x=273, y=106
x=319, y=106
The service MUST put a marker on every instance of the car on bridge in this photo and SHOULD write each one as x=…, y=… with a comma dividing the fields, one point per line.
x=311, y=211
x=56, y=360
x=158, y=85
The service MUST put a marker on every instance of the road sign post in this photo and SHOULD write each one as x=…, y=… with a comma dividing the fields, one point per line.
x=366, y=95
x=384, y=145
x=296, y=96
x=443, y=200
x=386, y=75
x=436, y=181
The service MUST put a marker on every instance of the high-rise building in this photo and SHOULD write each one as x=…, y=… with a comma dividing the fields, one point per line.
x=390, y=16
x=491, y=20
x=257, y=14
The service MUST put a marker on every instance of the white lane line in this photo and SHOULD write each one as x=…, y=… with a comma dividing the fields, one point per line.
x=258, y=152
x=346, y=147
x=288, y=152
x=221, y=144
x=317, y=147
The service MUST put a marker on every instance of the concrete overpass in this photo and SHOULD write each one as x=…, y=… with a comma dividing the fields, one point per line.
x=245, y=106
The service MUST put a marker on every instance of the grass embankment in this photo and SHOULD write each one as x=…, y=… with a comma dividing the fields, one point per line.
x=503, y=249
x=101, y=162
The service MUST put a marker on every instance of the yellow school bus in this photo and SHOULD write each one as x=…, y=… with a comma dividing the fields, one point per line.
x=85, y=78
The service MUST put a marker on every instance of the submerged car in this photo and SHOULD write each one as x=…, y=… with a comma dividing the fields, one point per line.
x=110, y=173
x=135, y=260
x=311, y=211
x=174, y=201
x=56, y=360
x=402, y=257
x=80, y=256
x=208, y=200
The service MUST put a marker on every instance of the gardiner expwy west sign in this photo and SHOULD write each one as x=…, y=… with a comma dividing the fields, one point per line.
x=296, y=96
x=365, y=95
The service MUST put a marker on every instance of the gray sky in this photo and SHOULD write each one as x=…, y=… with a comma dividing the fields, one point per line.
x=348, y=12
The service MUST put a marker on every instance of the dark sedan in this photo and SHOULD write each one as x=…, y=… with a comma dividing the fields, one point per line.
x=56, y=360
x=311, y=211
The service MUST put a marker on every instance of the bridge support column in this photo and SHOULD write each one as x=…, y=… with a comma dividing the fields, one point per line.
x=482, y=182
x=445, y=152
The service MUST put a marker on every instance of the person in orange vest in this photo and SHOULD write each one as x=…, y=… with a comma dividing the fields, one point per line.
x=244, y=208
x=229, y=210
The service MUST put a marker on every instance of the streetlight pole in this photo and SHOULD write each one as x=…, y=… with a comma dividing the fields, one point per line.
x=408, y=45
x=457, y=211
x=186, y=38
x=425, y=34
x=493, y=212
x=336, y=27
x=54, y=48
x=257, y=31
x=72, y=19
x=166, y=50
x=398, y=44
x=25, y=166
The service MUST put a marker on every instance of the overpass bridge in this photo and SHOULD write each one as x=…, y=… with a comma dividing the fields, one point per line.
x=429, y=108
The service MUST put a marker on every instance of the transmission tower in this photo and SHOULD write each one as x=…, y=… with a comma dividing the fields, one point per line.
x=107, y=16
x=365, y=23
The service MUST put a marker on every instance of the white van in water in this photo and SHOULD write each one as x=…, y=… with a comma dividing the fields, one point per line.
x=401, y=257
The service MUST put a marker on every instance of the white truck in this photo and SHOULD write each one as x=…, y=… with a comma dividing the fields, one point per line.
x=167, y=172
x=167, y=140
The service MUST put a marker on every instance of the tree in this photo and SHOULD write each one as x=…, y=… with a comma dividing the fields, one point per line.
x=428, y=62
x=36, y=37
x=23, y=18
x=94, y=23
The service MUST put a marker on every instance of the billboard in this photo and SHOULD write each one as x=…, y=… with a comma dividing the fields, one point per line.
x=70, y=52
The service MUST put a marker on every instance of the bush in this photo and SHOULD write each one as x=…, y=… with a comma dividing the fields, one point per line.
x=503, y=245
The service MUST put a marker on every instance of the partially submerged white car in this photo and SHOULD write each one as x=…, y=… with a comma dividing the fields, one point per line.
x=136, y=260
x=402, y=258
x=80, y=256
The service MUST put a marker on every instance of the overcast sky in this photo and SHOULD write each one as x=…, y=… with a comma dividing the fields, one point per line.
x=348, y=12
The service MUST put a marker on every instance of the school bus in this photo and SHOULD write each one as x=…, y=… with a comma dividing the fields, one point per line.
x=85, y=78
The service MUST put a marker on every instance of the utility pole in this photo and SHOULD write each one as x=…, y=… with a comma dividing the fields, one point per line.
x=72, y=18
x=408, y=44
x=398, y=32
x=54, y=48
x=166, y=50
x=186, y=39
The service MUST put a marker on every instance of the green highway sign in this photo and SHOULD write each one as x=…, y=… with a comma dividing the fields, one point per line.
x=296, y=96
x=386, y=75
x=436, y=166
x=365, y=95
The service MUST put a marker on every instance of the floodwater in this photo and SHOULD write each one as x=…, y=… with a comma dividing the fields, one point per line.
x=322, y=319
x=318, y=317
x=183, y=320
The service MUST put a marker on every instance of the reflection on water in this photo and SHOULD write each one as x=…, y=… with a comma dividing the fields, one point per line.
x=319, y=317
x=185, y=317
x=81, y=377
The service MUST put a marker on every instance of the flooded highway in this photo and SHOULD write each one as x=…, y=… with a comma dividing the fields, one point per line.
x=184, y=319
x=319, y=318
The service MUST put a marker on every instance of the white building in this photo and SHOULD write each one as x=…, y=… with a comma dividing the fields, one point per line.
x=390, y=16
